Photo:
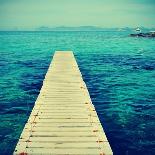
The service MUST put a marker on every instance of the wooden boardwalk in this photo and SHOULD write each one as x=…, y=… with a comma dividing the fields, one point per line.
x=63, y=120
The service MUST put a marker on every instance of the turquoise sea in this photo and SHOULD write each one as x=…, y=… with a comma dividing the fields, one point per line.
x=119, y=71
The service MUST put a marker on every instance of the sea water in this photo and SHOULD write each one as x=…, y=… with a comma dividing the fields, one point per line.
x=119, y=72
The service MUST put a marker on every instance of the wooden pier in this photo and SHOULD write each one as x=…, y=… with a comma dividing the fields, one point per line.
x=63, y=120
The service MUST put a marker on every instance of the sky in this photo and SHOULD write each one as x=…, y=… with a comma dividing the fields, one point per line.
x=27, y=14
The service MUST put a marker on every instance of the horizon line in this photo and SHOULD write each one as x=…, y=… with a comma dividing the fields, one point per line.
x=58, y=28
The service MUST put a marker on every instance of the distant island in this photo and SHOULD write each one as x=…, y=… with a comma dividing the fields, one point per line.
x=89, y=28
x=78, y=28
x=150, y=34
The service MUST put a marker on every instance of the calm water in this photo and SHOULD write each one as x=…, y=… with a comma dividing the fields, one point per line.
x=118, y=70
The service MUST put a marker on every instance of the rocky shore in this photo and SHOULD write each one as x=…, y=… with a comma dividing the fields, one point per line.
x=149, y=35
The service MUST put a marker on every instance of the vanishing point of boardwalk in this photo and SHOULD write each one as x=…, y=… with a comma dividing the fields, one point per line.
x=63, y=120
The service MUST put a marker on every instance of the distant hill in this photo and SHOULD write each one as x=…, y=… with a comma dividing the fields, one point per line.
x=89, y=28
x=80, y=28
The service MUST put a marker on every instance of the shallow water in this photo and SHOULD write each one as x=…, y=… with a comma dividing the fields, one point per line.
x=118, y=70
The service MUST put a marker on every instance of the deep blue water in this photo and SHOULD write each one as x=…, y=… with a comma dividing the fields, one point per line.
x=119, y=72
